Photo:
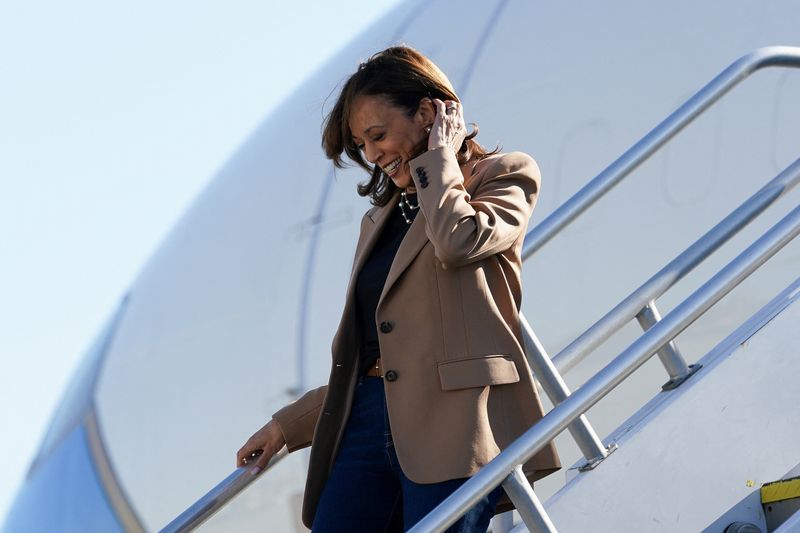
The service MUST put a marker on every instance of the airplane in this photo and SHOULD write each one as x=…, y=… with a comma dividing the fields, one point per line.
x=232, y=316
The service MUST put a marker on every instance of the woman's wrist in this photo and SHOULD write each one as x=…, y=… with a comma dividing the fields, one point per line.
x=443, y=146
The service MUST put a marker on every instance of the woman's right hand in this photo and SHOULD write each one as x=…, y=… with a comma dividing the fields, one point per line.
x=269, y=440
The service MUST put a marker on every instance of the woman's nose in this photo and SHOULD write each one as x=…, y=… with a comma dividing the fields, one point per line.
x=372, y=153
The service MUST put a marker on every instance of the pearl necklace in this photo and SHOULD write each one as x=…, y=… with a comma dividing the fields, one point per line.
x=411, y=207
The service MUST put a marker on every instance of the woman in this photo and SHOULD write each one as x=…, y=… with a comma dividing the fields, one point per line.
x=429, y=380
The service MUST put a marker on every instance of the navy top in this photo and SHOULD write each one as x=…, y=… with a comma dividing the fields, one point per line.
x=372, y=278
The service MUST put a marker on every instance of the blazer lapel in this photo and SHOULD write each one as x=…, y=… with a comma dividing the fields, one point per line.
x=368, y=240
x=410, y=247
x=416, y=238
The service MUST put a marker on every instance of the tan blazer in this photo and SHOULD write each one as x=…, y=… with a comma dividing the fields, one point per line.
x=448, y=330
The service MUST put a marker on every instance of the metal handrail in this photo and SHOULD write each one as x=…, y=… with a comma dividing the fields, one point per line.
x=613, y=174
x=770, y=56
x=501, y=468
x=553, y=384
x=218, y=497
x=678, y=268
x=641, y=302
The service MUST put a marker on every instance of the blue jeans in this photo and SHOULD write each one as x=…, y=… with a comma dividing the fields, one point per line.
x=367, y=491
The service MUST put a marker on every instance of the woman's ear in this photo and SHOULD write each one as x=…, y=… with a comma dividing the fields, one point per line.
x=426, y=112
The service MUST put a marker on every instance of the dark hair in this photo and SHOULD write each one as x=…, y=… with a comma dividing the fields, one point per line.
x=404, y=77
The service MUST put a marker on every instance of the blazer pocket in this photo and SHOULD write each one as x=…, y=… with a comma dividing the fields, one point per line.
x=477, y=372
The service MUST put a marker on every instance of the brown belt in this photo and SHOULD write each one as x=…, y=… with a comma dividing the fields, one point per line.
x=375, y=370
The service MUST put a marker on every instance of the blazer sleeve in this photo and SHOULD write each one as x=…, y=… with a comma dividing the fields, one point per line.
x=464, y=228
x=298, y=420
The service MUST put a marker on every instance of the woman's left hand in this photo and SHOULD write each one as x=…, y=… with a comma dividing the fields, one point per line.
x=448, y=128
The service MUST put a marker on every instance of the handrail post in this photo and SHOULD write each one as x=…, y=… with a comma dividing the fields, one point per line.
x=671, y=358
x=527, y=503
x=557, y=390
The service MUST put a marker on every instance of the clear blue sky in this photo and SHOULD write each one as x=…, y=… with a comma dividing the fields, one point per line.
x=113, y=116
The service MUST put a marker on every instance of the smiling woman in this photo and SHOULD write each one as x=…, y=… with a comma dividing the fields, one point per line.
x=390, y=137
x=429, y=379
x=390, y=104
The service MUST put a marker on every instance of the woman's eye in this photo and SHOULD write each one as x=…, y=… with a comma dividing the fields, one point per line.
x=377, y=138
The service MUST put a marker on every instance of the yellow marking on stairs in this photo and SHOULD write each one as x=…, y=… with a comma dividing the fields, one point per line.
x=780, y=490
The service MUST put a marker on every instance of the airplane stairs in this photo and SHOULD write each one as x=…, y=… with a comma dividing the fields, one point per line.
x=695, y=458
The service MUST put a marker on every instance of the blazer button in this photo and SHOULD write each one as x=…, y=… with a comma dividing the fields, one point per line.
x=386, y=327
x=390, y=375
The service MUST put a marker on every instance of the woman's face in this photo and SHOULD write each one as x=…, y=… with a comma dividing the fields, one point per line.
x=387, y=136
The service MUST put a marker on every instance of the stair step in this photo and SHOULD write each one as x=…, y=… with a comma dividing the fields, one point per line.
x=781, y=500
